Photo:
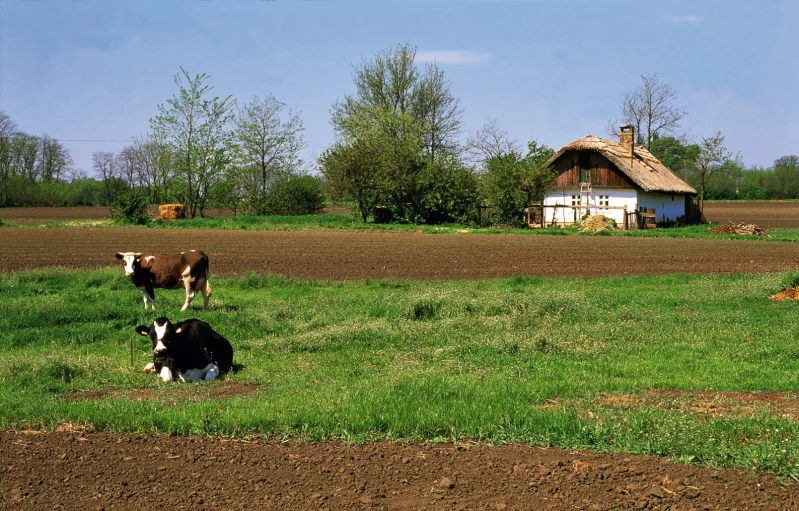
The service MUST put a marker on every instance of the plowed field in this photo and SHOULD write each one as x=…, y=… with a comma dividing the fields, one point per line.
x=79, y=470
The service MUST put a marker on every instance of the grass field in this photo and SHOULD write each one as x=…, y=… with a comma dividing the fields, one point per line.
x=565, y=362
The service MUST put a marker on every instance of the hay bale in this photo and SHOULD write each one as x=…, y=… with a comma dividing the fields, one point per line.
x=171, y=211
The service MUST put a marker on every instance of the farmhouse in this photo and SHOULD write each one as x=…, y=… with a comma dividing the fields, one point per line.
x=618, y=180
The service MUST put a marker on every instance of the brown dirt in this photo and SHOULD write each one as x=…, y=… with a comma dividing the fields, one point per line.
x=72, y=469
x=79, y=470
x=339, y=255
x=765, y=214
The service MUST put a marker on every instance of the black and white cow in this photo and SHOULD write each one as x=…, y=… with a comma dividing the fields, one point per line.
x=170, y=271
x=189, y=350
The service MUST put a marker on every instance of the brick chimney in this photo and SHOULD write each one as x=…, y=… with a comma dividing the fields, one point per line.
x=627, y=137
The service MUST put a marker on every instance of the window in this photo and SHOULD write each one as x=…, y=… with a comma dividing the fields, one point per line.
x=604, y=201
x=576, y=201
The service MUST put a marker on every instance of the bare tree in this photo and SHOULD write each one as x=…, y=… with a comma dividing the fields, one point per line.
x=7, y=129
x=106, y=168
x=127, y=165
x=650, y=109
x=490, y=141
x=25, y=148
x=154, y=166
x=713, y=158
x=54, y=159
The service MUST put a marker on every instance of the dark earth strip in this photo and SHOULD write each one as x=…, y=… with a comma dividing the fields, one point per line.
x=342, y=255
x=97, y=471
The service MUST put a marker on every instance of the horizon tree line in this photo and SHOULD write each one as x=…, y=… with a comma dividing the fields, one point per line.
x=397, y=156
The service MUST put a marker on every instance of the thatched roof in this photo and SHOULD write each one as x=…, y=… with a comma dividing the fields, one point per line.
x=644, y=170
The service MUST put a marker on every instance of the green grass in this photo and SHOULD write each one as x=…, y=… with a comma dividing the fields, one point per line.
x=419, y=361
x=352, y=222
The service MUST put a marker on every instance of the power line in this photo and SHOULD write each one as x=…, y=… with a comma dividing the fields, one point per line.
x=86, y=140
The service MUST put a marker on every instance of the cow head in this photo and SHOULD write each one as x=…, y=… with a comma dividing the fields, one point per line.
x=130, y=259
x=161, y=332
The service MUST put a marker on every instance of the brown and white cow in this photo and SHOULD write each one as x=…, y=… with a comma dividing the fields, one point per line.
x=170, y=271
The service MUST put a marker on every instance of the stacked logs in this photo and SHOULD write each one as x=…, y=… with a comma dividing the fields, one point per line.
x=741, y=228
x=171, y=211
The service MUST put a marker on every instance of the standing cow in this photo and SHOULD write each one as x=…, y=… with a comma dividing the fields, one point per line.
x=169, y=271
x=188, y=350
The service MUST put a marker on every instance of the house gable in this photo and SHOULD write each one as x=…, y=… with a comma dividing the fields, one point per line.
x=570, y=168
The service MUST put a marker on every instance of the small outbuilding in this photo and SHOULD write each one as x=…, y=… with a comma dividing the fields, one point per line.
x=618, y=180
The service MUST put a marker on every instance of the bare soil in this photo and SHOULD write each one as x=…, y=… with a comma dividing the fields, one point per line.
x=79, y=470
x=343, y=255
x=72, y=469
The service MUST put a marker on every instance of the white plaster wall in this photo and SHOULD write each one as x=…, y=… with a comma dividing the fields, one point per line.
x=667, y=207
x=618, y=198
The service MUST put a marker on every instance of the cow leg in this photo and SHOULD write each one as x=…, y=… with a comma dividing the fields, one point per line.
x=149, y=295
x=166, y=374
x=145, y=297
x=212, y=373
x=187, y=283
x=205, y=289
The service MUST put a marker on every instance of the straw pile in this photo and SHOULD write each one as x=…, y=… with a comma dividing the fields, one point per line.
x=785, y=294
x=597, y=223
x=171, y=211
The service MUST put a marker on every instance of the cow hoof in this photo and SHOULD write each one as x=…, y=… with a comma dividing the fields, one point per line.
x=212, y=373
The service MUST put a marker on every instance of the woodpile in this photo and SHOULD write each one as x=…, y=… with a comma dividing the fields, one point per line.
x=741, y=228
x=171, y=211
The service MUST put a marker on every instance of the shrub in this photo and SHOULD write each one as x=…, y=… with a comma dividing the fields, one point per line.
x=295, y=195
x=130, y=208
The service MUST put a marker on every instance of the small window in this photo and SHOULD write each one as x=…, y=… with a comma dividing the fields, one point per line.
x=576, y=201
x=604, y=201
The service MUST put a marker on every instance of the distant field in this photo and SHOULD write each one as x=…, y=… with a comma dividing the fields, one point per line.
x=763, y=213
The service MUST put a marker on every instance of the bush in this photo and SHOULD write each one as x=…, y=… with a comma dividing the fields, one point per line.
x=295, y=195
x=130, y=208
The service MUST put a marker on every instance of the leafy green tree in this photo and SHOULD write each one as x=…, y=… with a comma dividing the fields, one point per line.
x=677, y=156
x=450, y=194
x=437, y=110
x=352, y=171
x=268, y=147
x=512, y=181
x=196, y=127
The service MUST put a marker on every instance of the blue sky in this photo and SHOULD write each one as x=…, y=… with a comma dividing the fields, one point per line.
x=92, y=73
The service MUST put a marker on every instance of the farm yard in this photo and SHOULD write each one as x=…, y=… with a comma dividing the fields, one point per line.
x=676, y=350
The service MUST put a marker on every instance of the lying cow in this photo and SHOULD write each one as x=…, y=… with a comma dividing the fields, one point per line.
x=169, y=271
x=189, y=350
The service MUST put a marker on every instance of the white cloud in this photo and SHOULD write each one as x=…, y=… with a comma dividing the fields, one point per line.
x=453, y=56
x=684, y=19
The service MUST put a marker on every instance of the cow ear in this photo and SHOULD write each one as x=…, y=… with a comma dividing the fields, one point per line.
x=120, y=255
x=138, y=255
x=143, y=330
